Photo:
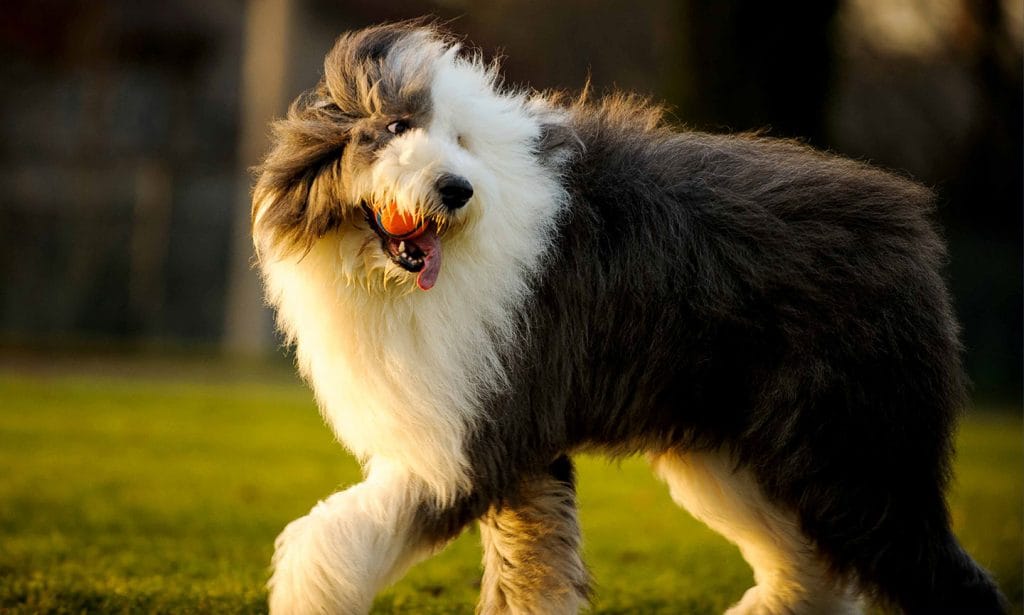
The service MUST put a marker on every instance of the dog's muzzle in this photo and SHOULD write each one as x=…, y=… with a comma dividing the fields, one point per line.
x=420, y=252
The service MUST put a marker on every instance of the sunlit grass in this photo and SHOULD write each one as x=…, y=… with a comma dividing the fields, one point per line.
x=122, y=495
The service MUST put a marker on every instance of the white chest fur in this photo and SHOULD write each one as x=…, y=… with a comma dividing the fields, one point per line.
x=400, y=373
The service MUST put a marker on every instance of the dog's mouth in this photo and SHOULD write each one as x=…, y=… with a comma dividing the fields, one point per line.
x=420, y=254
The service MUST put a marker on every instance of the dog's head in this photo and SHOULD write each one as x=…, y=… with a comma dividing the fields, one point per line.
x=403, y=120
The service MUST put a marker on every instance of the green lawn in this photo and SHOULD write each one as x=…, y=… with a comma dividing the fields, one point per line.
x=165, y=494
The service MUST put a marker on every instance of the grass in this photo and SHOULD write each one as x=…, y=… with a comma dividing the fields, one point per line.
x=160, y=495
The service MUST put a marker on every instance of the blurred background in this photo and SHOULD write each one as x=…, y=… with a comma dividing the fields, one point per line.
x=127, y=128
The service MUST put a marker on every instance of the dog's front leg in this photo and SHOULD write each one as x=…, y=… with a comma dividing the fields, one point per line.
x=532, y=561
x=349, y=546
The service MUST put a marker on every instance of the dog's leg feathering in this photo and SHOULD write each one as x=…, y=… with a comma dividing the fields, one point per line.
x=791, y=576
x=350, y=545
x=532, y=561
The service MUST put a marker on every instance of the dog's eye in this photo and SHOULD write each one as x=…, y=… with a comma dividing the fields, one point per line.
x=398, y=127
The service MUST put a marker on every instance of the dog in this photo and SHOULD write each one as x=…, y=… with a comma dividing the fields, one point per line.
x=768, y=324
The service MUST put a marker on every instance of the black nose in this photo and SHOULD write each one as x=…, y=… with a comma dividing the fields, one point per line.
x=454, y=190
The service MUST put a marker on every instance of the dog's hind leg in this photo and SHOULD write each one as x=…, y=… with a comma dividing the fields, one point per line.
x=532, y=561
x=791, y=576
x=350, y=545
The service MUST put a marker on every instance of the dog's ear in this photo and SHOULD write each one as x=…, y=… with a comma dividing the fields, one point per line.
x=556, y=141
x=299, y=193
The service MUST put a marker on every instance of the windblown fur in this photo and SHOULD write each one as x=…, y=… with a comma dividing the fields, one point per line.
x=766, y=322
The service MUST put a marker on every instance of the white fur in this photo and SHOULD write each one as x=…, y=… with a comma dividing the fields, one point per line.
x=348, y=547
x=791, y=577
x=399, y=373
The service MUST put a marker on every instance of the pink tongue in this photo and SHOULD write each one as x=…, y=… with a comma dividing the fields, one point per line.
x=430, y=245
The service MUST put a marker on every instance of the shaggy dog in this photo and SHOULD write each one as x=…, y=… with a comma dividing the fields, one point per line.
x=768, y=324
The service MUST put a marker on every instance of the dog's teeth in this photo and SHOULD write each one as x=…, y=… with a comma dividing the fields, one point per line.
x=401, y=247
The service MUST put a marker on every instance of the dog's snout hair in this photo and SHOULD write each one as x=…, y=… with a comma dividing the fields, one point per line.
x=455, y=190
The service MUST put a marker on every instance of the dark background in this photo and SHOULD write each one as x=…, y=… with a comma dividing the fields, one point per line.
x=126, y=129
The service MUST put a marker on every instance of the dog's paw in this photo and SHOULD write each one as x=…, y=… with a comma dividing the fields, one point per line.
x=309, y=572
x=289, y=585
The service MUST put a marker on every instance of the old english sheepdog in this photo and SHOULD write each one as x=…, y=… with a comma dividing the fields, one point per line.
x=480, y=281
